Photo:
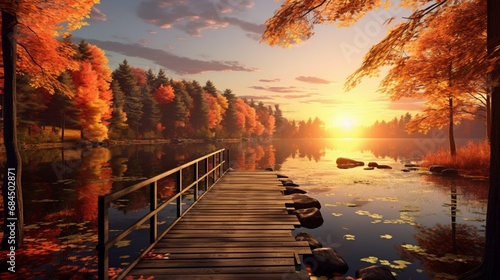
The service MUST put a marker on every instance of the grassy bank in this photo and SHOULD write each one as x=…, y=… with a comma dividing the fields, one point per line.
x=472, y=159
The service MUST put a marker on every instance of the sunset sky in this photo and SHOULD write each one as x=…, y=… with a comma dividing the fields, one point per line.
x=219, y=40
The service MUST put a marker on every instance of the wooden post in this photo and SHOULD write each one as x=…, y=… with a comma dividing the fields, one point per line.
x=179, y=189
x=196, y=170
x=214, y=174
x=102, y=232
x=206, y=173
x=153, y=203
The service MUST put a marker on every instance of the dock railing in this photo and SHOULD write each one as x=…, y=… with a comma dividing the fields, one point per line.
x=220, y=165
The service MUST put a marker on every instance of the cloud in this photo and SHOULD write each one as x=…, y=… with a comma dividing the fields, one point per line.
x=97, y=15
x=193, y=17
x=407, y=104
x=312, y=80
x=178, y=64
x=255, y=97
x=269, y=80
x=289, y=89
x=297, y=96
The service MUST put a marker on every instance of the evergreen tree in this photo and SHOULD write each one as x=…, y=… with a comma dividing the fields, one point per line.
x=118, y=122
x=161, y=79
x=210, y=88
x=229, y=122
x=133, y=97
x=199, y=110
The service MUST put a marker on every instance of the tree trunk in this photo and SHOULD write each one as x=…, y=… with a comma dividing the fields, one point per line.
x=488, y=117
x=453, y=148
x=490, y=267
x=11, y=188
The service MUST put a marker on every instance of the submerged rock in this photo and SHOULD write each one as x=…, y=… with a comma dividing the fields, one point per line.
x=288, y=182
x=368, y=168
x=375, y=272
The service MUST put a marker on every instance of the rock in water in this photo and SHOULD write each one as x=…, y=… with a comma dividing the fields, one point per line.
x=313, y=242
x=347, y=161
x=326, y=262
x=291, y=190
x=437, y=168
x=309, y=217
x=375, y=272
x=372, y=164
x=449, y=172
x=301, y=201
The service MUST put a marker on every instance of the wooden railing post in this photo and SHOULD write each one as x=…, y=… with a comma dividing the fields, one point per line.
x=153, y=203
x=103, y=227
x=206, y=174
x=214, y=175
x=227, y=159
x=196, y=171
x=179, y=189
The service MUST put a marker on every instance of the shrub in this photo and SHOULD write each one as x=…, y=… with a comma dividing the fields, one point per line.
x=471, y=159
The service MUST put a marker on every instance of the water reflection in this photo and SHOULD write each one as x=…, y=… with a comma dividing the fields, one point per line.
x=442, y=217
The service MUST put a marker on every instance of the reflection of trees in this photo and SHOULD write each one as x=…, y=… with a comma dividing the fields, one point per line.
x=453, y=249
x=93, y=179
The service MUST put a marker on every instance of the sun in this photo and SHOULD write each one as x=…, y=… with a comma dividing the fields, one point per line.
x=344, y=121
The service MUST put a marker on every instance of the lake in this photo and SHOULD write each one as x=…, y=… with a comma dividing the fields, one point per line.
x=421, y=226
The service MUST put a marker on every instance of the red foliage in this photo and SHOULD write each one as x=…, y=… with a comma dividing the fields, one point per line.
x=164, y=94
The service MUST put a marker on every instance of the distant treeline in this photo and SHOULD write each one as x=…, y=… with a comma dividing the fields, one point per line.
x=133, y=103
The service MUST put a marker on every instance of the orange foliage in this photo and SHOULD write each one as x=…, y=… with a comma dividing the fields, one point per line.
x=89, y=101
x=99, y=63
x=471, y=159
x=39, y=35
x=164, y=94
x=95, y=173
x=217, y=107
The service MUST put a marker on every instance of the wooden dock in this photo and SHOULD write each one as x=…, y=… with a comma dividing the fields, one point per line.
x=240, y=229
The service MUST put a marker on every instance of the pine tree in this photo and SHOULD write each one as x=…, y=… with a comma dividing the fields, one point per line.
x=133, y=97
x=118, y=122
x=199, y=110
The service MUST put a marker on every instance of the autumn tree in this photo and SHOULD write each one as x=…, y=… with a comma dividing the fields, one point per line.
x=437, y=67
x=43, y=56
x=93, y=95
x=295, y=21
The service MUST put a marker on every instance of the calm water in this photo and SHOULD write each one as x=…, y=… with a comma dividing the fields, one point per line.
x=419, y=225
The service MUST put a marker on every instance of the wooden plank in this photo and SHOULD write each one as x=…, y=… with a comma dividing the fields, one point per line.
x=229, y=239
x=299, y=250
x=216, y=263
x=212, y=270
x=224, y=227
x=260, y=244
x=267, y=276
x=176, y=256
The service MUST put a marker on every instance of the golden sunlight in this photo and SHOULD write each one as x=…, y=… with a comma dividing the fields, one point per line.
x=344, y=121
